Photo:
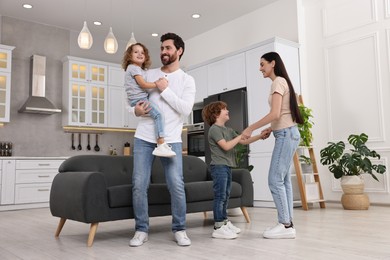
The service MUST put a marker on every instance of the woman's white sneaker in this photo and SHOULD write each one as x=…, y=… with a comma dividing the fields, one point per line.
x=280, y=231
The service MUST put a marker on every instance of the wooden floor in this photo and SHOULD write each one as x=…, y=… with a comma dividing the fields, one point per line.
x=331, y=233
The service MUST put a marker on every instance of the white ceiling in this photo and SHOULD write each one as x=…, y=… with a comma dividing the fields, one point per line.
x=145, y=16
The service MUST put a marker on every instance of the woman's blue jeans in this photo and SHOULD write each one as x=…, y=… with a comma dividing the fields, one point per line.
x=279, y=176
x=222, y=185
x=173, y=170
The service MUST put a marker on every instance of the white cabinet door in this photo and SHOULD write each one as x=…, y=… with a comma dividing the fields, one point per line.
x=116, y=76
x=5, y=82
x=87, y=72
x=227, y=74
x=260, y=162
x=85, y=92
x=87, y=105
x=200, y=76
x=119, y=114
x=5, y=96
x=8, y=182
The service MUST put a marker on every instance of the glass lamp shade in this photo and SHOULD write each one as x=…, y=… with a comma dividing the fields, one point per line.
x=85, y=39
x=110, y=43
x=131, y=41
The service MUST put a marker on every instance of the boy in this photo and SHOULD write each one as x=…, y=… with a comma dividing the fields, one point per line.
x=222, y=140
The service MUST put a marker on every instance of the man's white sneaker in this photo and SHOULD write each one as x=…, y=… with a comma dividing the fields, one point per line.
x=224, y=232
x=232, y=227
x=182, y=238
x=139, y=238
x=280, y=231
x=164, y=150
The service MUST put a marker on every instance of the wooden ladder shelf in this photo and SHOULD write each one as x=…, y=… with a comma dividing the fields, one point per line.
x=310, y=192
x=315, y=194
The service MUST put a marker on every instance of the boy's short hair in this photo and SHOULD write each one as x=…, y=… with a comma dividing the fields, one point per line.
x=211, y=111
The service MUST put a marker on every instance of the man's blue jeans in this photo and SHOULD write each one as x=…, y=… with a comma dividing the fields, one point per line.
x=173, y=169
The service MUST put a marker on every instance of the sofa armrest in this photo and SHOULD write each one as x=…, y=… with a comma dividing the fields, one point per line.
x=243, y=177
x=80, y=196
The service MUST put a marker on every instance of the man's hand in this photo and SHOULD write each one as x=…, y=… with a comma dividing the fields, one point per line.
x=162, y=84
x=142, y=108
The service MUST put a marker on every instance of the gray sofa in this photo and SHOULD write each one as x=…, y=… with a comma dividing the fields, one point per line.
x=97, y=188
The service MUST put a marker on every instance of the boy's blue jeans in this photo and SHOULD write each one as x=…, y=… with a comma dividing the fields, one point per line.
x=222, y=184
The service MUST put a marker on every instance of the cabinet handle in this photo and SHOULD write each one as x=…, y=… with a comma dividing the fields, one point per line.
x=43, y=164
x=43, y=176
x=43, y=189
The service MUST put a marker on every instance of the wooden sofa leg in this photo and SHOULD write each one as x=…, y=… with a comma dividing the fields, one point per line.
x=246, y=215
x=205, y=214
x=92, y=232
x=60, y=226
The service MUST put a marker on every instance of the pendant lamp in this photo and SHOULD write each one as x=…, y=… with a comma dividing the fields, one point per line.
x=85, y=39
x=110, y=43
x=131, y=41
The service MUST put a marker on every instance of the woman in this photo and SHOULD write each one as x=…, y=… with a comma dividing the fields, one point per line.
x=283, y=116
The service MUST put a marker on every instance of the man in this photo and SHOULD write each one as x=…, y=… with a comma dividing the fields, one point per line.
x=175, y=100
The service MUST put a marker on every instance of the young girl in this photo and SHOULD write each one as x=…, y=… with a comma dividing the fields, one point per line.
x=222, y=140
x=283, y=116
x=135, y=61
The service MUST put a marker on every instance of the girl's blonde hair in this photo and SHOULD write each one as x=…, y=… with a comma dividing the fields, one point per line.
x=127, y=57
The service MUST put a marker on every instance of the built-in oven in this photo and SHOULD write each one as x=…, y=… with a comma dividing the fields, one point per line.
x=196, y=140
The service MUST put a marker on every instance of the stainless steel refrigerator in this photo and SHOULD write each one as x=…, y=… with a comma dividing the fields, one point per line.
x=236, y=101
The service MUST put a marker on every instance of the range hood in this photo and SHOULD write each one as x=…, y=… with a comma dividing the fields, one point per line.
x=37, y=103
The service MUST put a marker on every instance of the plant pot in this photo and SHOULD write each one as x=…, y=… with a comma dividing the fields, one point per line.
x=354, y=197
x=352, y=184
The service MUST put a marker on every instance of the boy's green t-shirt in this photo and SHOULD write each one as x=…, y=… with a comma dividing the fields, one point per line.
x=218, y=155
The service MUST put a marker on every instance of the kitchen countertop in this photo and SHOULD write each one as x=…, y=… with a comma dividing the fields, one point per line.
x=33, y=158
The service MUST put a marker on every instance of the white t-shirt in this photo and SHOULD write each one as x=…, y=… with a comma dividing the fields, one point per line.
x=174, y=102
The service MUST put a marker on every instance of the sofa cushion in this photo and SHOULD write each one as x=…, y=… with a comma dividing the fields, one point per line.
x=120, y=196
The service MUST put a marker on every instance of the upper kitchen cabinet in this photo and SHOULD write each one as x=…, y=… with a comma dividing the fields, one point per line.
x=5, y=81
x=84, y=92
x=258, y=87
x=118, y=113
x=226, y=74
x=200, y=76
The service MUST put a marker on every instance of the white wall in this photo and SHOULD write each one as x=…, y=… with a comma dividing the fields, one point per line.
x=277, y=19
x=346, y=47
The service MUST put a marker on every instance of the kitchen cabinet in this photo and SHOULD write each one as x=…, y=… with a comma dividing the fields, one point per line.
x=5, y=82
x=119, y=114
x=84, y=92
x=201, y=82
x=226, y=74
x=27, y=181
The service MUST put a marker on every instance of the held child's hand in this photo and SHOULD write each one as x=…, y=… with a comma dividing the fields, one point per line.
x=162, y=84
x=246, y=133
x=265, y=133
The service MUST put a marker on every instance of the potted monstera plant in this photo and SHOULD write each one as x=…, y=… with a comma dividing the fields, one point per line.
x=349, y=165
